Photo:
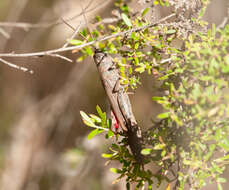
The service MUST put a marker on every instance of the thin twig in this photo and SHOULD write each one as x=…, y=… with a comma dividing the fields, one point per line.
x=70, y=26
x=73, y=36
x=61, y=57
x=24, y=69
x=107, y=21
x=27, y=26
x=4, y=33
x=54, y=51
x=85, y=19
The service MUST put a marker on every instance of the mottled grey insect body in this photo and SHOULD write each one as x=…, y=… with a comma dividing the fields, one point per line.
x=120, y=102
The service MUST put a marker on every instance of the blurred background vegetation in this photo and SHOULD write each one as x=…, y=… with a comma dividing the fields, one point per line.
x=43, y=142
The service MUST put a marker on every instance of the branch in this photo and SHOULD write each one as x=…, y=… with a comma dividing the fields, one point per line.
x=64, y=49
x=27, y=26
x=73, y=36
x=24, y=69
x=108, y=21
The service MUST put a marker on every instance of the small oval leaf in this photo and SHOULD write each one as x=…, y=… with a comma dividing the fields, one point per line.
x=163, y=115
x=115, y=170
x=126, y=19
x=146, y=151
x=94, y=132
x=107, y=155
x=86, y=119
x=75, y=42
x=145, y=11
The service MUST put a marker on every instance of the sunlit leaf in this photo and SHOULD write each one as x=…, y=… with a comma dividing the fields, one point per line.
x=145, y=11
x=126, y=19
x=172, y=31
x=86, y=119
x=107, y=155
x=168, y=187
x=95, y=117
x=146, y=151
x=94, y=133
x=156, y=98
x=115, y=170
x=163, y=115
x=75, y=42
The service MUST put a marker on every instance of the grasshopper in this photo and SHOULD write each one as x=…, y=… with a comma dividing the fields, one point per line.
x=119, y=101
x=110, y=78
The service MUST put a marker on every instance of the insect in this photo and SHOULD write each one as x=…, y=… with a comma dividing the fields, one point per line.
x=119, y=101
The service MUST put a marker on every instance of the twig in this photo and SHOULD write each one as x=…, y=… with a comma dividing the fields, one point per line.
x=4, y=33
x=107, y=21
x=27, y=26
x=70, y=26
x=14, y=14
x=61, y=57
x=73, y=36
x=24, y=69
x=54, y=51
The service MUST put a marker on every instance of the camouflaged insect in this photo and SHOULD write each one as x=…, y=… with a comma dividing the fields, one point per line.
x=119, y=101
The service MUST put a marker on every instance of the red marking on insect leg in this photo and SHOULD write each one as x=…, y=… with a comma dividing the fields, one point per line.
x=116, y=124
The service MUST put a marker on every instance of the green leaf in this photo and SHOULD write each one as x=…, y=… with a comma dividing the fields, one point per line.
x=223, y=158
x=166, y=76
x=146, y=151
x=89, y=51
x=156, y=98
x=168, y=187
x=81, y=58
x=155, y=2
x=107, y=155
x=109, y=123
x=226, y=59
x=98, y=18
x=127, y=186
x=140, y=69
x=96, y=118
x=115, y=146
x=110, y=134
x=219, y=186
x=159, y=146
x=115, y=170
x=145, y=11
x=221, y=180
x=102, y=116
x=87, y=120
x=75, y=42
x=94, y=133
x=172, y=31
x=163, y=115
x=99, y=111
x=225, y=68
x=126, y=19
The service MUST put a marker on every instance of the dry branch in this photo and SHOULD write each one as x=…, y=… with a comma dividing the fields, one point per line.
x=27, y=26
x=64, y=49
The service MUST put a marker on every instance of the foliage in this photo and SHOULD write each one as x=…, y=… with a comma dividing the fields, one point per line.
x=190, y=143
